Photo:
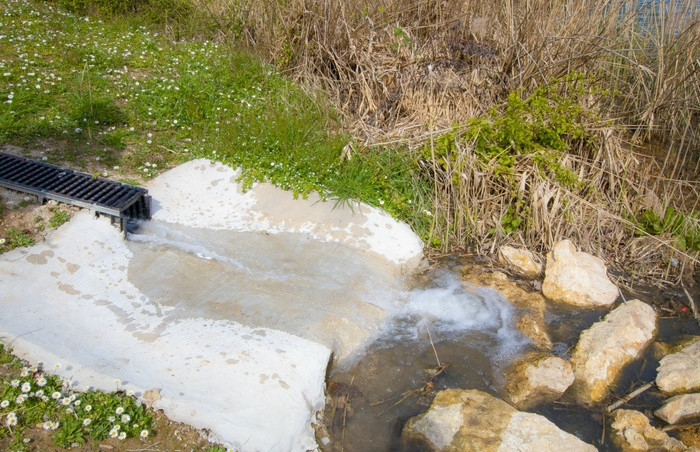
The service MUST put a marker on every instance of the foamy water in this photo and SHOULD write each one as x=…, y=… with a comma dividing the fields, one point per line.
x=295, y=284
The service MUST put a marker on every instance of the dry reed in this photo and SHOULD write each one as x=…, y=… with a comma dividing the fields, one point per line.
x=402, y=71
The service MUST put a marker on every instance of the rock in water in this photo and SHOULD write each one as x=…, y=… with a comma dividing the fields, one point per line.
x=522, y=261
x=471, y=420
x=536, y=379
x=610, y=344
x=530, y=304
x=680, y=372
x=632, y=432
x=680, y=408
x=577, y=278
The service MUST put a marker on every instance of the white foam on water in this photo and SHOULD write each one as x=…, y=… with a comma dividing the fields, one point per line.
x=448, y=307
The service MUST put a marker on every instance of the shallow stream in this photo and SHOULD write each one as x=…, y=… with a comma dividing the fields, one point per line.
x=421, y=334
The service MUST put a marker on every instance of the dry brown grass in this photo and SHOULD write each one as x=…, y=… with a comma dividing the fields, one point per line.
x=403, y=71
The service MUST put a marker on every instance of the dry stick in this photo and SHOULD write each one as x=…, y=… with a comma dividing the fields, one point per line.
x=692, y=304
x=437, y=358
x=410, y=392
x=681, y=426
x=345, y=414
x=602, y=435
x=147, y=448
x=629, y=397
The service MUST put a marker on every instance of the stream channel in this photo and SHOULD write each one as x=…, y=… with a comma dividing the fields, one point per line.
x=431, y=319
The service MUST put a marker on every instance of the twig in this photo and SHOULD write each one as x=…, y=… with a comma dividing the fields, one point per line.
x=403, y=396
x=147, y=448
x=437, y=358
x=692, y=304
x=680, y=426
x=629, y=397
x=345, y=414
x=602, y=435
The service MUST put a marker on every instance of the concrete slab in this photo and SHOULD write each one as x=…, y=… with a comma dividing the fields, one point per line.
x=226, y=302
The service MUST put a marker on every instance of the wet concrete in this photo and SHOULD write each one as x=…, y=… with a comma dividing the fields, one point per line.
x=231, y=304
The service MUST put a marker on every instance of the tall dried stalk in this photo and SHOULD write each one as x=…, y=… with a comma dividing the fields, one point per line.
x=400, y=70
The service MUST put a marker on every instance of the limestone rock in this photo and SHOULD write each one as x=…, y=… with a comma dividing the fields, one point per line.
x=680, y=408
x=471, y=420
x=680, y=372
x=520, y=260
x=632, y=432
x=605, y=348
x=577, y=278
x=537, y=378
x=531, y=322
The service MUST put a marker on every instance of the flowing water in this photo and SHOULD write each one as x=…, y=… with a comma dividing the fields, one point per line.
x=416, y=335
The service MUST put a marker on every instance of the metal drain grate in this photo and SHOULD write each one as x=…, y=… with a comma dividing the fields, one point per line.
x=47, y=181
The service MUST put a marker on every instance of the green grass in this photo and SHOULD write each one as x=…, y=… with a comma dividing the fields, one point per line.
x=58, y=218
x=30, y=396
x=120, y=94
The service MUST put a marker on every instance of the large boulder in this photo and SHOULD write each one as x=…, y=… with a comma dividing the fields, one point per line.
x=680, y=408
x=520, y=260
x=632, y=432
x=471, y=420
x=605, y=348
x=537, y=378
x=577, y=278
x=680, y=372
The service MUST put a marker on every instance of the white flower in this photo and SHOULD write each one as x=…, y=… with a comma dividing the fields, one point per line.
x=65, y=401
x=113, y=433
x=86, y=421
x=26, y=387
x=119, y=410
x=122, y=436
x=14, y=383
x=56, y=395
x=25, y=372
x=144, y=434
x=47, y=425
x=88, y=408
x=20, y=399
x=4, y=404
x=126, y=418
x=11, y=419
x=41, y=382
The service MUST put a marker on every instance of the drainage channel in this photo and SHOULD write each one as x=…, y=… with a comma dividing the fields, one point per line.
x=119, y=201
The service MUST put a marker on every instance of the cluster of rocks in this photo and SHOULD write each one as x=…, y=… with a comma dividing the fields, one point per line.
x=466, y=420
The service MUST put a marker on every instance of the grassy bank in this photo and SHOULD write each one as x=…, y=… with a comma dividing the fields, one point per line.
x=479, y=126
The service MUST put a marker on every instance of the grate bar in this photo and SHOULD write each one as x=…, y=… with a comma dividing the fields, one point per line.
x=104, y=196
